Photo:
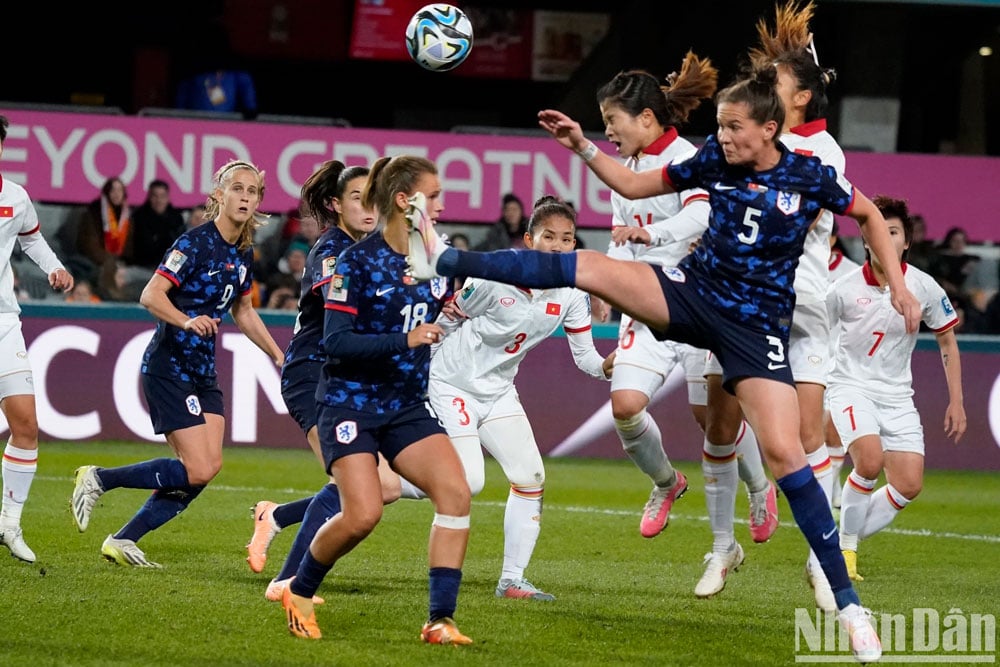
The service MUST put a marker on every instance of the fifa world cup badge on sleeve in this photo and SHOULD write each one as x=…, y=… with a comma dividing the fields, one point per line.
x=338, y=288
x=175, y=261
x=329, y=264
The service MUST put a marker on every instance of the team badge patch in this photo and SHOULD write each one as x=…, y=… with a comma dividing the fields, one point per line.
x=788, y=202
x=674, y=274
x=467, y=292
x=346, y=432
x=439, y=287
x=507, y=301
x=175, y=261
x=553, y=308
x=864, y=301
x=193, y=405
x=6, y=211
x=243, y=273
x=329, y=264
x=338, y=288
x=946, y=305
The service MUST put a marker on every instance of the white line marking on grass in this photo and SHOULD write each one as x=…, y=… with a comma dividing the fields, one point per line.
x=909, y=532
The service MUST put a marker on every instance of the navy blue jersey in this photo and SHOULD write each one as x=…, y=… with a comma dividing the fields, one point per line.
x=307, y=339
x=745, y=263
x=371, y=305
x=208, y=274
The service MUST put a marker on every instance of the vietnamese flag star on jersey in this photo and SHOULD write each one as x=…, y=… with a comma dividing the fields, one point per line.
x=6, y=211
x=553, y=309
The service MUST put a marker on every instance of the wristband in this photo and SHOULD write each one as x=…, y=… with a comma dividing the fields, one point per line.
x=588, y=153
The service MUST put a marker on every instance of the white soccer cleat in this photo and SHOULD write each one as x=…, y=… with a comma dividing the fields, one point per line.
x=426, y=247
x=717, y=568
x=86, y=490
x=14, y=540
x=857, y=622
x=821, y=588
x=126, y=552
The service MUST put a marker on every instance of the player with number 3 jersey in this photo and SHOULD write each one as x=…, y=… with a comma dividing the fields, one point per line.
x=472, y=383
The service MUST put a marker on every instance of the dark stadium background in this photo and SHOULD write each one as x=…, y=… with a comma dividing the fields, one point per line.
x=129, y=55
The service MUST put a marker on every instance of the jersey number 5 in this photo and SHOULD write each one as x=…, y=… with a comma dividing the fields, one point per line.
x=750, y=221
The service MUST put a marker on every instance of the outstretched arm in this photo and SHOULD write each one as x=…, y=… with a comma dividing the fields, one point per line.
x=618, y=177
x=876, y=232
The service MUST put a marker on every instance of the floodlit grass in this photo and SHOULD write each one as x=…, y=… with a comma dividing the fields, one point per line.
x=621, y=599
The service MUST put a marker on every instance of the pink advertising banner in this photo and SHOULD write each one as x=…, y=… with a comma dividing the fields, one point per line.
x=86, y=368
x=65, y=157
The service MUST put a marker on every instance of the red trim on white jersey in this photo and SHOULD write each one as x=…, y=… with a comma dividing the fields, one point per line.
x=810, y=128
x=836, y=257
x=577, y=330
x=37, y=227
x=698, y=196
x=869, y=273
x=950, y=325
x=1, y=182
x=661, y=143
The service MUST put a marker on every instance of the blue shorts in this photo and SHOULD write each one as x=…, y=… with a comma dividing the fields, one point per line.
x=298, y=389
x=343, y=431
x=175, y=404
x=742, y=351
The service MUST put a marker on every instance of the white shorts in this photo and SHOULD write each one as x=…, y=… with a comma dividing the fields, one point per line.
x=855, y=415
x=809, y=343
x=15, y=371
x=497, y=423
x=643, y=363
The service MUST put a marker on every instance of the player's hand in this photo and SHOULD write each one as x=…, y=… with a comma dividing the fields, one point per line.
x=203, y=325
x=955, y=421
x=622, y=235
x=60, y=279
x=563, y=129
x=453, y=311
x=609, y=363
x=424, y=334
x=600, y=311
x=907, y=305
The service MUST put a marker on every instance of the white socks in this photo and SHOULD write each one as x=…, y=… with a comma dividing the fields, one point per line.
x=522, y=521
x=748, y=458
x=643, y=443
x=718, y=464
x=19, y=466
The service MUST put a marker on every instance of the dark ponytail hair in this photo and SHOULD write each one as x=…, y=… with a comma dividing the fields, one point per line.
x=758, y=92
x=546, y=207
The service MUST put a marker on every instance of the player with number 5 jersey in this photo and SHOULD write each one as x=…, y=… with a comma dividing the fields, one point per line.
x=490, y=327
x=871, y=391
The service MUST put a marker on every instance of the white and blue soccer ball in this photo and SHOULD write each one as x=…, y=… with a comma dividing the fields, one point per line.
x=439, y=37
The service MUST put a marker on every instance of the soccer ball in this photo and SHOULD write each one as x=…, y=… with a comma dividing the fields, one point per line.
x=439, y=37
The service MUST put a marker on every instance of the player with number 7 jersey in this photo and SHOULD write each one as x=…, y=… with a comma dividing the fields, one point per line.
x=870, y=389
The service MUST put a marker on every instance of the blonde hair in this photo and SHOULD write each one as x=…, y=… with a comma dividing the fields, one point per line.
x=221, y=180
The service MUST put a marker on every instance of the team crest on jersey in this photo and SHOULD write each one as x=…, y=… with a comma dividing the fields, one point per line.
x=864, y=301
x=329, y=264
x=338, y=288
x=507, y=301
x=788, y=202
x=674, y=274
x=243, y=273
x=946, y=305
x=193, y=405
x=439, y=287
x=346, y=431
x=175, y=261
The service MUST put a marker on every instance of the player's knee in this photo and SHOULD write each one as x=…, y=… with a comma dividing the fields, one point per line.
x=476, y=481
x=23, y=428
x=527, y=478
x=629, y=428
x=202, y=472
x=451, y=522
x=627, y=406
x=722, y=431
x=360, y=521
x=909, y=489
x=455, y=499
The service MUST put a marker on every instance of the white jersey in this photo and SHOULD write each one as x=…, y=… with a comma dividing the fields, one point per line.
x=481, y=355
x=875, y=349
x=812, y=274
x=840, y=265
x=670, y=242
x=19, y=222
